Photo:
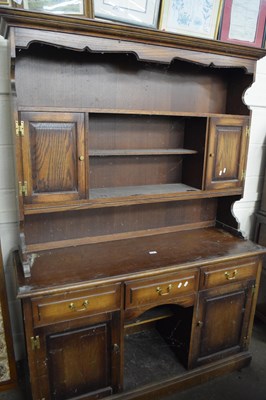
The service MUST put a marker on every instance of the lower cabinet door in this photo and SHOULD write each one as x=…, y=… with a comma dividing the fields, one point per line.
x=221, y=322
x=81, y=362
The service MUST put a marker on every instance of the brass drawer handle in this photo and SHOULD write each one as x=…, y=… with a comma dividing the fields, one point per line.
x=73, y=306
x=233, y=276
x=159, y=290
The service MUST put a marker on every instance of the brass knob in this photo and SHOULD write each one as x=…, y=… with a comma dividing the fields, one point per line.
x=81, y=158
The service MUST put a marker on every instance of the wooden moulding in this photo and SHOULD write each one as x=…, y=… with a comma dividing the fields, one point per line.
x=203, y=51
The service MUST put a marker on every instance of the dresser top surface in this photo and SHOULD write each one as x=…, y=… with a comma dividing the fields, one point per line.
x=121, y=260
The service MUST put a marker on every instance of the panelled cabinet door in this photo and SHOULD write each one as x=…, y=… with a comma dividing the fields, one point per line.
x=226, y=153
x=80, y=362
x=222, y=322
x=53, y=157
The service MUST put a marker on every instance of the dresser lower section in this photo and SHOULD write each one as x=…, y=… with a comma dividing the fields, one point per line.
x=139, y=335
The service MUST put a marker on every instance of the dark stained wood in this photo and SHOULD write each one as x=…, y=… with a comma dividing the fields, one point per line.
x=133, y=152
x=51, y=149
x=63, y=347
x=83, y=304
x=221, y=322
x=131, y=258
x=21, y=18
x=227, y=144
x=228, y=272
x=65, y=354
x=238, y=82
x=145, y=291
x=128, y=196
x=119, y=75
x=91, y=224
x=139, y=152
x=128, y=132
x=196, y=135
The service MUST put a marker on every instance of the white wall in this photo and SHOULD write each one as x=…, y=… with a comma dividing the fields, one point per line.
x=255, y=98
x=244, y=210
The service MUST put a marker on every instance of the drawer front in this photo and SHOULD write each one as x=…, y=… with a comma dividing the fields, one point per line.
x=159, y=290
x=76, y=304
x=228, y=272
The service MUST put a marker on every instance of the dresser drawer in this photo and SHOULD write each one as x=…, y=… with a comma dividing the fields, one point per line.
x=228, y=272
x=76, y=304
x=161, y=289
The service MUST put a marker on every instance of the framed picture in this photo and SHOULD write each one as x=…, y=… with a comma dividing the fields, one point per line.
x=8, y=375
x=55, y=6
x=4, y=2
x=141, y=12
x=191, y=17
x=243, y=22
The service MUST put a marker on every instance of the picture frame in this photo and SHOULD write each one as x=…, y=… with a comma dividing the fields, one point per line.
x=243, y=22
x=8, y=372
x=75, y=7
x=198, y=18
x=142, y=13
x=4, y=3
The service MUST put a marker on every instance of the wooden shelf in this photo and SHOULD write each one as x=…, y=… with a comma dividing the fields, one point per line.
x=124, y=191
x=140, y=152
x=153, y=315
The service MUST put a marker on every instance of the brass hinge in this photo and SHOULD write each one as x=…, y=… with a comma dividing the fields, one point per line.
x=23, y=188
x=243, y=175
x=35, y=342
x=247, y=130
x=20, y=128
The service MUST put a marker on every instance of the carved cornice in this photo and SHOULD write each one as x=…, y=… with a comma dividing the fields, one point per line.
x=34, y=20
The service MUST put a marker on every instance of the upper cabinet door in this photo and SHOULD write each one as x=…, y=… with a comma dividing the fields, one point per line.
x=226, y=153
x=53, y=157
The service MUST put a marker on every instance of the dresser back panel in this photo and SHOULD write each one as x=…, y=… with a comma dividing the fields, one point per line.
x=116, y=81
x=117, y=220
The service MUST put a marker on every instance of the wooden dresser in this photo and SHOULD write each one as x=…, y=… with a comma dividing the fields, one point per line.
x=130, y=151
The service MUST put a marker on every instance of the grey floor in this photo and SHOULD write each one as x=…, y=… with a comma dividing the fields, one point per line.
x=246, y=384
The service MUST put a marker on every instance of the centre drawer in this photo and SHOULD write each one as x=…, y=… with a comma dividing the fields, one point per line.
x=160, y=289
x=228, y=272
x=75, y=304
